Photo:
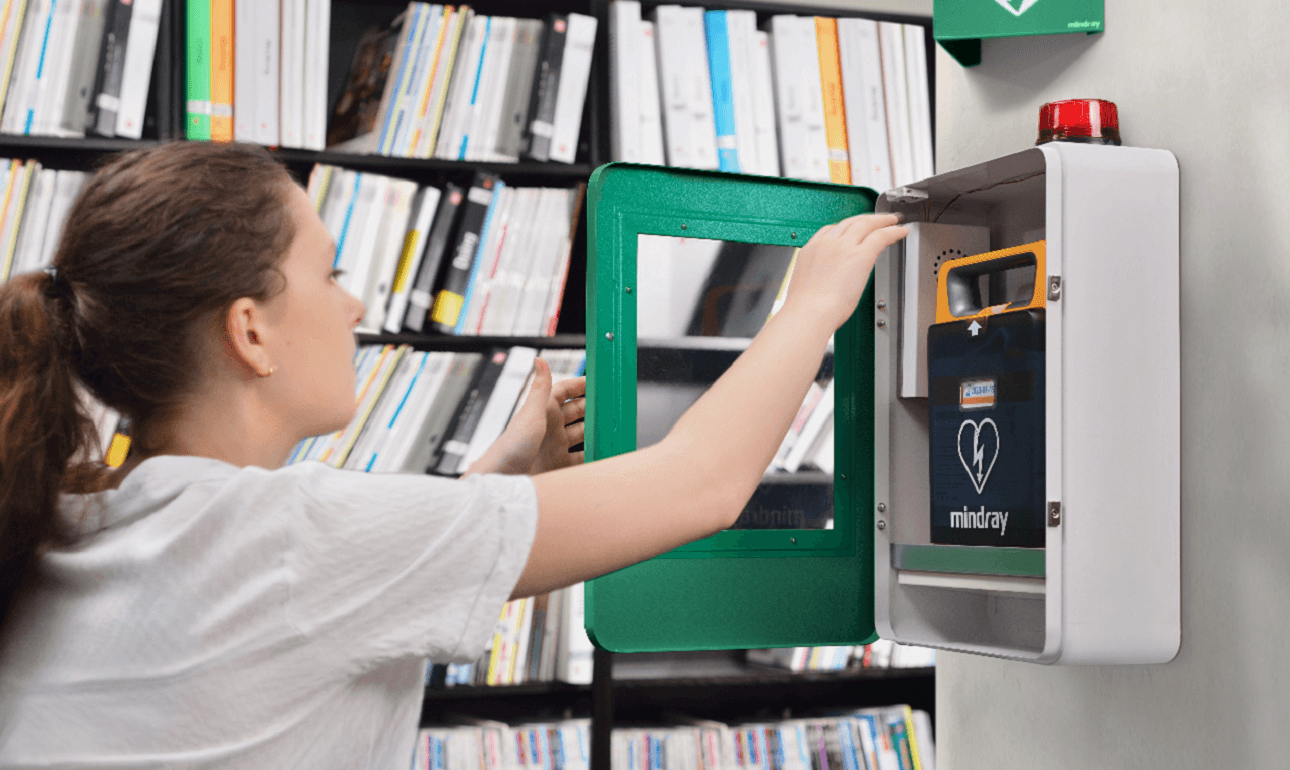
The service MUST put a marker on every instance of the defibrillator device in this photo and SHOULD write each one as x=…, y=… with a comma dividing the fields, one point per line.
x=985, y=370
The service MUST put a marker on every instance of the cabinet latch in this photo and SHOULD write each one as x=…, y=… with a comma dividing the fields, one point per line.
x=1054, y=513
x=1054, y=288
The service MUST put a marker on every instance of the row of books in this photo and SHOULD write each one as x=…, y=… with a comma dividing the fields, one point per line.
x=35, y=203
x=445, y=82
x=537, y=639
x=72, y=68
x=891, y=738
x=843, y=100
x=434, y=411
x=883, y=653
x=490, y=260
x=257, y=71
x=487, y=745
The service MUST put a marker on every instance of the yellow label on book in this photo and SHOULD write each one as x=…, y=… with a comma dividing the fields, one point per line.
x=405, y=261
x=447, y=307
x=117, y=450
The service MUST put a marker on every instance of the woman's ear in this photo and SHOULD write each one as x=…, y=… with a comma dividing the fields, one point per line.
x=244, y=328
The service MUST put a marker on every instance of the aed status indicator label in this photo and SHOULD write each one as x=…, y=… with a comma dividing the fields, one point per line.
x=976, y=394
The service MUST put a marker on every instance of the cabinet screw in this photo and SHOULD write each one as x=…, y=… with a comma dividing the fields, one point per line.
x=882, y=304
x=843, y=476
x=793, y=236
x=881, y=323
x=882, y=524
x=793, y=540
x=628, y=290
x=609, y=336
x=683, y=227
x=882, y=507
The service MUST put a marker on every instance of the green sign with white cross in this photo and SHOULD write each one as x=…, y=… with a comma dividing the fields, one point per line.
x=960, y=25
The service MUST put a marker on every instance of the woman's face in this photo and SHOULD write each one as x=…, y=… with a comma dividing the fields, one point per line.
x=313, y=320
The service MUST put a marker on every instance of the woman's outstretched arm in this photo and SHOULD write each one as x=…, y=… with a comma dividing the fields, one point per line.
x=602, y=516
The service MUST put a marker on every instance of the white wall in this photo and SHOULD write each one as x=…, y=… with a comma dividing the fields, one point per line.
x=1211, y=82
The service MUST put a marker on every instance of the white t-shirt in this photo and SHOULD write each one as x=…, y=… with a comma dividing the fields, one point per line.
x=240, y=617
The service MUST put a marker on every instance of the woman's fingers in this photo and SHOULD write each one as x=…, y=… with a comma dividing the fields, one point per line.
x=573, y=387
x=856, y=229
x=576, y=433
x=573, y=410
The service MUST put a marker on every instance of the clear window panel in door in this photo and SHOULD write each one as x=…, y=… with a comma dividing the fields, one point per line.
x=699, y=303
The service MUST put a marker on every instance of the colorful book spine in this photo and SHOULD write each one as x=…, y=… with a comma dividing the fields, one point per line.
x=221, y=70
x=198, y=123
x=723, y=99
x=835, y=118
x=451, y=298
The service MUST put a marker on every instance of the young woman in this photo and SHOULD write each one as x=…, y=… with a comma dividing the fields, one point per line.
x=203, y=607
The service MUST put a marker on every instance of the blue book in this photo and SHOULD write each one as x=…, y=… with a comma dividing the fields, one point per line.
x=723, y=89
x=479, y=258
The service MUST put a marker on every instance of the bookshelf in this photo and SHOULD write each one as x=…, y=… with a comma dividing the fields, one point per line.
x=625, y=688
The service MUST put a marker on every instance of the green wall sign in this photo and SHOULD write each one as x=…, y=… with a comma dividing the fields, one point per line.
x=960, y=25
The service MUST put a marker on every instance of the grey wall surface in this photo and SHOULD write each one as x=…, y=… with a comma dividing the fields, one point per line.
x=1208, y=81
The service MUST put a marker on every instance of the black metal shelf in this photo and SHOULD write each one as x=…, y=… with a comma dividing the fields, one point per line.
x=397, y=164
x=454, y=343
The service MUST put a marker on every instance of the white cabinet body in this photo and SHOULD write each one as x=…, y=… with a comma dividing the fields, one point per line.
x=1107, y=588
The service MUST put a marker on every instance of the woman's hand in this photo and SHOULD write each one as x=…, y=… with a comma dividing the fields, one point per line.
x=539, y=436
x=833, y=267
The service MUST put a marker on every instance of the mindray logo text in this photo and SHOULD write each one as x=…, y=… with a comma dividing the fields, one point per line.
x=982, y=519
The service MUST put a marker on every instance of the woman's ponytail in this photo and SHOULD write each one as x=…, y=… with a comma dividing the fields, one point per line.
x=44, y=428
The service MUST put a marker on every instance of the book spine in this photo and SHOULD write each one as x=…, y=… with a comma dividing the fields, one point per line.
x=920, y=114
x=446, y=72
x=673, y=93
x=198, y=124
x=546, y=86
x=56, y=68
x=556, y=298
x=703, y=135
x=741, y=28
x=85, y=51
x=482, y=264
x=265, y=64
x=9, y=237
x=455, y=448
x=10, y=25
x=421, y=297
x=471, y=107
x=892, y=49
x=137, y=72
x=412, y=91
x=21, y=86
x=575, y=71
x=221, y=69
x=414, y=247
x=723, y=103
x=405, y=53
x=515, y=110
x=458, y=96
x=243, y=71
x=625, y=94
x=440, y=55
x=835, y=119
x=450, y=299
x=765, y=138
x=107, y=99
x=314, y=96
x=291, y=69
x=651, y=129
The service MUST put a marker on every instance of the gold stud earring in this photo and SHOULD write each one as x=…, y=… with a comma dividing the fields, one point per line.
x=272, y=369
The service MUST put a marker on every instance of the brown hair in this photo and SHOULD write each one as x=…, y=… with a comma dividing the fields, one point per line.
x=158, y=243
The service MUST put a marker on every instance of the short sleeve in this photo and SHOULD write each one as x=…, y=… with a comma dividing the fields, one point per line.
x=385, y=566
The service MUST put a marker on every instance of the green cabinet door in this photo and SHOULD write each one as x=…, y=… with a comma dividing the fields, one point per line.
x=757, y=586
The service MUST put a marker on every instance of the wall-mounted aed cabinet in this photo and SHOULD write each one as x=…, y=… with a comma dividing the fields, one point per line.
x=1006, y=475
